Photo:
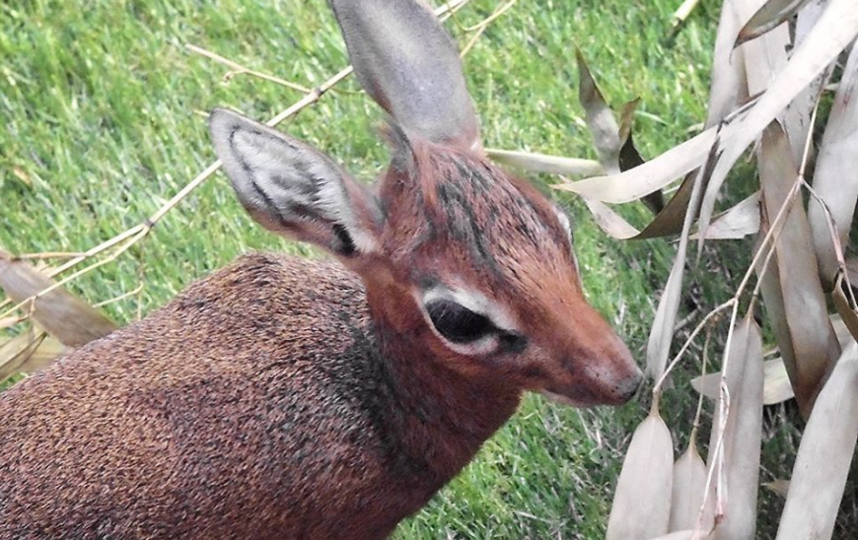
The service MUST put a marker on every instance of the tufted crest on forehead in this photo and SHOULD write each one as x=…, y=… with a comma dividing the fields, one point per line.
x=453, y=200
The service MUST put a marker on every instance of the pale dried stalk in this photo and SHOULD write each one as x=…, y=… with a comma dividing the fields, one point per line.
x=238, y=69
x=140, y=231
x=121, y=297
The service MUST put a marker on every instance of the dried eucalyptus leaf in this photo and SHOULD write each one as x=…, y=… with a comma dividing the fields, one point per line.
x=791, y=289
x=63, y=315
x=834, y=31
x=824, y=456
x=741, y=220
x=835, y=180
x=771, y=15
x=689, y=486
x=641, y=507
x=742, y=435
x=544, y=163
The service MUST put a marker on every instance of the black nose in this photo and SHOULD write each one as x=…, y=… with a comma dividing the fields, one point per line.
x=628, y=388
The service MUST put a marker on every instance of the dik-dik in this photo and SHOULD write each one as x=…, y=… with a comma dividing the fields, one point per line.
x=282, y=398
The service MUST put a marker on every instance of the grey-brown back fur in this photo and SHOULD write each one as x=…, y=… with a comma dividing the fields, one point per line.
x=233, y=420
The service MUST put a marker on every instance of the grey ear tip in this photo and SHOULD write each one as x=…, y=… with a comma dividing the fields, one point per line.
x=219, y=115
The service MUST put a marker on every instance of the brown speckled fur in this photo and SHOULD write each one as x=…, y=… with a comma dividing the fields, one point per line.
x=220, y=417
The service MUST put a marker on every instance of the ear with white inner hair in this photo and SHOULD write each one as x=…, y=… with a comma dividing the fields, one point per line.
x=292, y=189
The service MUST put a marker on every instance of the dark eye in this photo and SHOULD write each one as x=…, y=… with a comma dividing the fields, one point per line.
x=458, y=323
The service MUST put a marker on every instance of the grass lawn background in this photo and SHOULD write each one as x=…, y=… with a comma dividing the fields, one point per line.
x=104, y=118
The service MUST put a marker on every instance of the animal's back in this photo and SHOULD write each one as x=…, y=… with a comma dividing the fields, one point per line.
x=248, y=407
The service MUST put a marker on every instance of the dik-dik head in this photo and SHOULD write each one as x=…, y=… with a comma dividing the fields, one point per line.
x=460, y=259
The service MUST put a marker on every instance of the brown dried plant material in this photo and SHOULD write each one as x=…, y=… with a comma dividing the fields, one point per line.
x=771, y=15
x=776, y=385
x=824, y=456
x=641, y=507
x=28, y=352
x=543, y=163
x=689, y=486
x=836, y=28
x=599, y=117
x=835, y=178
x=733, y=493
x=741, y=220
x=791, y=289
x=71, y=320
x=845, y=308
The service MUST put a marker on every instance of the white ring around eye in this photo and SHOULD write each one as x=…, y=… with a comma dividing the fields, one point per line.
x=474, y=302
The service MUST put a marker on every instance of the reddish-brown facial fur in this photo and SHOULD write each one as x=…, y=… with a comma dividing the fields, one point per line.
x=290, y=399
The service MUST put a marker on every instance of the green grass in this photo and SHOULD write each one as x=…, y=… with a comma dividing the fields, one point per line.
x=104, y=119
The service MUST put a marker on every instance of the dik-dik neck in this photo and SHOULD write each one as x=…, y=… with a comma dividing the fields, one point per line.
x=442, y=415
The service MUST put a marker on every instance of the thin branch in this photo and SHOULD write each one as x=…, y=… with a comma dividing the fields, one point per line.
x=238, y=69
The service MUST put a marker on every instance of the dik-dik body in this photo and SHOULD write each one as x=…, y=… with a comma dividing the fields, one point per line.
x=283, y=398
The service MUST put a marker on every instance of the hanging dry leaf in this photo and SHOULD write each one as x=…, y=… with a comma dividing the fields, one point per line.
x=847, y=313
x=641, y=507
x=776, y=385
x=824, y=456
x=791, y=289
x=834, y=31
x=661, y=334
x=689, y=486
x=771, y=15
x=729, y=87
x=609, y=221
x=835, y=180
x=739, y=221
x=543, y=163
x=63, y=315
x=778, y=487
x=600, y=119
x=737, y=467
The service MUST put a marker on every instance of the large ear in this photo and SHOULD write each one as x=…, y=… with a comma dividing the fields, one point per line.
x=405, y=60
x=291, y=188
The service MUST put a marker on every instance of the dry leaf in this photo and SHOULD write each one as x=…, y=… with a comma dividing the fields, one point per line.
x=776, y=385
x=641, y=507
x=739, y=221
x=834, y=31
x=778, y=487
x=689, y=534
x=543, y=163
x=824, y=456
x=771, y=15
x=791, y=289
x=29, y=352
x=609, y=221
x=739, y=470
x=835, y=180
x=600, y=119
x=689, y=486
x=63, y=315
x=729, y=87
x=661, y=335
x=847, y=313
